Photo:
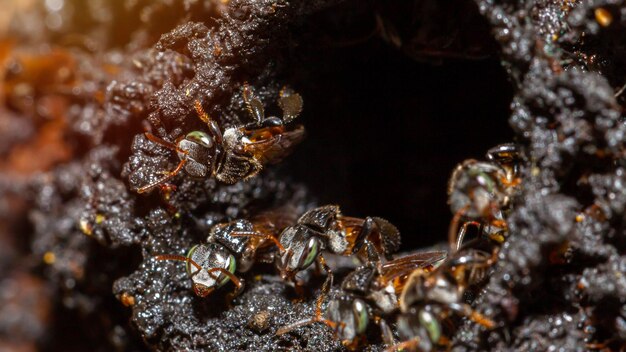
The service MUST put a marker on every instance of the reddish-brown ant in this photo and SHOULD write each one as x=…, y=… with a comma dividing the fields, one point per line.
x=325, y=228
x=429, y=298
x=479, y=192
x=240, y=152
x=368, y=293
x=233, y=247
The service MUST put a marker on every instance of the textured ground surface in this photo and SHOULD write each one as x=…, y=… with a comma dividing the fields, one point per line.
x=395, y=95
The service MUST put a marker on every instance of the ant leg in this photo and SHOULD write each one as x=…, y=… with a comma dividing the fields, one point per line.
x=479, y=271
x=318, y=305
x=265, y=236
x=482, y=320
x=163, y=142
x=601, y=345
x=511, y=182
x=167, y=189
x=465, y=310
x=215, y=131
x=373, y=254
x=318, y=269
x=411, y=345
x=500, y=224
x=305, y=322
x=298, y=286
x=325, y=287
x=316, y=319
x=178, y=258
x=454, y=235
x=461, y=235
x=168, y=176
x=368, y=228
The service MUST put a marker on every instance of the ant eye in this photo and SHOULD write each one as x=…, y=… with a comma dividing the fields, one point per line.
x=360, y=316
x=231, y=265
x=431, y=324
x=190, y=254
x=486, y=180
x=200, y=138
x=311, y=252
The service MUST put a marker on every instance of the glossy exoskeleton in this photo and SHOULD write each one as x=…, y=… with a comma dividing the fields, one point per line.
x=369, y=293
x=480, y=191
x=430, y=298
x=240, y=152
x=325, y=228
x=232, y=247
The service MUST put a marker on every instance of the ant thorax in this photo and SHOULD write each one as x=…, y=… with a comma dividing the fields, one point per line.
x=223, y=234
x=321, y=218
x=232, y=140
x=351, y=315
x=302, y=246
x=238, y=245
x=359, y=281
x=386, y=298
x=337, y=241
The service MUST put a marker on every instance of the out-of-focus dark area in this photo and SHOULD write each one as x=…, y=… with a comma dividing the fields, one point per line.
x=394, y=153
x=396, y=93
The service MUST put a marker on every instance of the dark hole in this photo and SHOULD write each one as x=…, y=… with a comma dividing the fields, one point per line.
x=385, y=131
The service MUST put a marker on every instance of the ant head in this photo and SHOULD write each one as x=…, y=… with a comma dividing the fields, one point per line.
x=199, y=148
x=422, y=325
x=201, y=290
x=300, y=250
x=349, y=316
x=201, y=259
x=477, y=187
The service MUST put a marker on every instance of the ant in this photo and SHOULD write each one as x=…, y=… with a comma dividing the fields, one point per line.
x=240, y=152
x=368, y=293
x=325, y=228
x=233, y=247
x=430, y=297
x=481, y=191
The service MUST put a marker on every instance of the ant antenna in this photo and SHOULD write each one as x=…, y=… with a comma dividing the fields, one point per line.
x=236, y=281
x=179, y=258
x=265, y=236
x=201, y=113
